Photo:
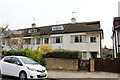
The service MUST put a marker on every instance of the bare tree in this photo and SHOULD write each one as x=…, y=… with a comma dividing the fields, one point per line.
x=14, y=44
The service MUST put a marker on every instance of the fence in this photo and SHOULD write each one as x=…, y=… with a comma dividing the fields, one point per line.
x=107, y=65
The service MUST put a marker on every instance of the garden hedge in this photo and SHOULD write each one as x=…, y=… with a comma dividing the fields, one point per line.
x=14, y=53
x=63, y=54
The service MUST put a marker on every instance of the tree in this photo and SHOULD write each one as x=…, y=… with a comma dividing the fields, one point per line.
x=14, y=44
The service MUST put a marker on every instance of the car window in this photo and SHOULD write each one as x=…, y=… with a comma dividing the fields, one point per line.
x=15, y=60
x=7, y=59
x=28, y=61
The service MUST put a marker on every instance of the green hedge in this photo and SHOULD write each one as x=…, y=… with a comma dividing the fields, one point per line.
x=14, y=53
x=118, y=55
x=64, y=54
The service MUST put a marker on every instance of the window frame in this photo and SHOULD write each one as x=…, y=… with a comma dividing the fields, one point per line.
x=55, y=41
x=84, y=55
x=78, y=38
x=9, y=61
x=93, y=39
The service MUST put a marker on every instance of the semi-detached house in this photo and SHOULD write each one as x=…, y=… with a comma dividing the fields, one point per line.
x=85, y=37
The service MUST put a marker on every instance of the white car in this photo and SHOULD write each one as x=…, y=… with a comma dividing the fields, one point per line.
x=22, y=67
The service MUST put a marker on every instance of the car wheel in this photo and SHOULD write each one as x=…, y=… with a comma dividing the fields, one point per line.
x=3, y=76
x=22, y=76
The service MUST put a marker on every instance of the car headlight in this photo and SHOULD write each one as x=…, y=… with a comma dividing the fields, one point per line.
x=31, y=69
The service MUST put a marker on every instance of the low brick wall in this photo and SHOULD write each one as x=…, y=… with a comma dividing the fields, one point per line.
x=61, y=64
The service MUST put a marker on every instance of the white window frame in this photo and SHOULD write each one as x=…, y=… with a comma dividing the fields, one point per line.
x=94, y=40
x=81, y=38
x=32, y=31
x=84, y=55
x=54, y=39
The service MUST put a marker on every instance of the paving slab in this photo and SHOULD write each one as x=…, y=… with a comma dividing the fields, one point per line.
x=76, y=74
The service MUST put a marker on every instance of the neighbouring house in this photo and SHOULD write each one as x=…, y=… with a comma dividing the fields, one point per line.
x=85, y=37
x=116, y=35
x=107, y=52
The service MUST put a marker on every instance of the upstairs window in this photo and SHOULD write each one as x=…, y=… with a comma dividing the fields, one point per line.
x=78, y=38
x=56, y=28
x=92, y=39
x=58, y=39
x=32, y=31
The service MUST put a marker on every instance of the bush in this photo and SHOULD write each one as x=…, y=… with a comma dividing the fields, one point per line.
x=67, y=54
x=35, y=55
x=118, y=55
x=14, y=53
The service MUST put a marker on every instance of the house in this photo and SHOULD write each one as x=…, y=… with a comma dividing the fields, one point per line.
x=85, y=37
x=116, y=35
x=107, y=52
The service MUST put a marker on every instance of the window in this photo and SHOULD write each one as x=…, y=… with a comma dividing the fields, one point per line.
x=92, y=39
x=84, y=55
x=32, y=30
x=27, y=41
x=56, y=28
x=57, y=39
x=7, y=59
x=38, y=40
x=15, y=60
x=78, y=38
x=46, y=40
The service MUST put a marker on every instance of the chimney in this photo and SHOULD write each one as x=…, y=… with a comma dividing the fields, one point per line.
x=73, y=20
x=33, y=25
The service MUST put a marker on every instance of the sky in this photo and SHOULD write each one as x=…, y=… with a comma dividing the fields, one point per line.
x=20, y=14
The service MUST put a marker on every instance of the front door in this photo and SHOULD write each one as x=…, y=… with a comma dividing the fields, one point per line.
x=93, y=54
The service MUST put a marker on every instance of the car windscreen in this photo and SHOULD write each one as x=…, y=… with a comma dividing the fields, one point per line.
x=28, y=61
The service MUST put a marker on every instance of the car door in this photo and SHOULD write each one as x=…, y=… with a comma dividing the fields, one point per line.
x=15, y=66
x=6, y=66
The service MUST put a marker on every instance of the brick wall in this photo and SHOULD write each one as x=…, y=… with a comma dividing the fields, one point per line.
x=61, y=64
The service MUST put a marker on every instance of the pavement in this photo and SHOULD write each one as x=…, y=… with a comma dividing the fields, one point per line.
x=75, y=75
x=81, y=74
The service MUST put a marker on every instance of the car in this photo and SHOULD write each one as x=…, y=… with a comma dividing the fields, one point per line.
x=22, y=67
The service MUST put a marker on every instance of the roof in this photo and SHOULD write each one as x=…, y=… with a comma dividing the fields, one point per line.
x=68, y=28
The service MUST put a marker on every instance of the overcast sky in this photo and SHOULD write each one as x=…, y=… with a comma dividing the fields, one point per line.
x=20, y=14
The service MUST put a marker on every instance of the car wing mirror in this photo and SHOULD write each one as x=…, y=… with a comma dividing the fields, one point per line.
x=19, y=63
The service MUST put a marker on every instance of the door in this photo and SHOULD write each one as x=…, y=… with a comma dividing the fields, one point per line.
x=6, y=66
x=93, y=54
x=15, y=67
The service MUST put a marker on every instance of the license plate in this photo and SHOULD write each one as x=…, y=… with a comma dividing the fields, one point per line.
x=42, y=74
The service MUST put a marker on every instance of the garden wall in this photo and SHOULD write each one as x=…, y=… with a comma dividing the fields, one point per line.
x=61, y=64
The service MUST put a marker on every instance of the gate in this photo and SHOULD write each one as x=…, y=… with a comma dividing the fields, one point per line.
x=83, y=65
x=107, y=65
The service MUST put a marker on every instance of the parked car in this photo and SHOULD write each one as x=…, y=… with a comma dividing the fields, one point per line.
x=22, y=67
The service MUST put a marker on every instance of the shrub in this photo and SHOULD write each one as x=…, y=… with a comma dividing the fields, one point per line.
x=118, y=55
x=47, y=47
x=14, y=53
x=63, y=54
x=34, y=54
